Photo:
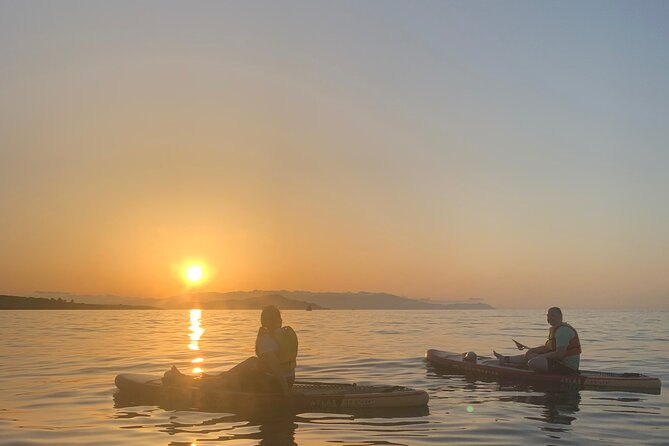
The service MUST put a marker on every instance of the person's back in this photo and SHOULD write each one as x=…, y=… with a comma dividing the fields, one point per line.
x=566, y=336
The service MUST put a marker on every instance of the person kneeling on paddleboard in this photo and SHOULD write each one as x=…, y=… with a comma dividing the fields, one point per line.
x=272, y=370
x=561, y=353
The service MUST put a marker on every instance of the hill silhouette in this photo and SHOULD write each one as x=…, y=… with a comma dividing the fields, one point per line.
x=41, y=303
x=259, y=302
x=283, y=299
x=348, y=301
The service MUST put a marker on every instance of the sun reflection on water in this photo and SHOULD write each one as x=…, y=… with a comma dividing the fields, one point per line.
x=195, y=334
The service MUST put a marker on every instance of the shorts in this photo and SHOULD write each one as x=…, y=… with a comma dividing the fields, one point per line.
x=557, y=366
x=256, y=381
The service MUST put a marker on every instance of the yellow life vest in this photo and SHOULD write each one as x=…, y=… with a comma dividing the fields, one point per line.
x=286, y=339
x=574, y=346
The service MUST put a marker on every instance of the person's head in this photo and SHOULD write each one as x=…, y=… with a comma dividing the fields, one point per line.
x=554, y=316
x=270, y=317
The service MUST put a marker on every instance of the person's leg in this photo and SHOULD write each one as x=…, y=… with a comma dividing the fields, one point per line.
x=255, y=381
x=538, y=364
x=557, y=366
x=174, y=377
x=533, y=352
x=235, y=376
x=515, y=359
x=231, y=379
x=247, y=364
x=522, y=358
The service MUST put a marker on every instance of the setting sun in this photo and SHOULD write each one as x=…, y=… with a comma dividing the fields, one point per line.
x=194, y=273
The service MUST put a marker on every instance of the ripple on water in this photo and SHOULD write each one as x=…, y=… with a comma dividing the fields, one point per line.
x=60, y=392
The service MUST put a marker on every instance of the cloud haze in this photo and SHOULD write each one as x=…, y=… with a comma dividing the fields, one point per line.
x=510, y=151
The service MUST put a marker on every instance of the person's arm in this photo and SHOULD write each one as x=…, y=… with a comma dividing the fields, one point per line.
x=272, y=360
x=536, y=351
x=562, y=338
x=557, y=354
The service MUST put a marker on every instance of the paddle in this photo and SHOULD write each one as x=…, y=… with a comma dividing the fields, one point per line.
x=520, y=346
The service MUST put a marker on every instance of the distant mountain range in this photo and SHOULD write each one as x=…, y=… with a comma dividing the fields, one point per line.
x=215, y=301
x=334, y=301
x=283, y=299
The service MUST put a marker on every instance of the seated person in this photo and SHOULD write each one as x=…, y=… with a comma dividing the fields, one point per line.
x=273, y=367
x=272, y=370
x=561, y=353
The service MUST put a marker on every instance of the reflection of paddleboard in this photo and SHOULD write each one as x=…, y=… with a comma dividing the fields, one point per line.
x=585, y=379
x=305, y=397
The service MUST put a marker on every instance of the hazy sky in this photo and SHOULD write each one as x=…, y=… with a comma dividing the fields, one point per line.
x=512, y=151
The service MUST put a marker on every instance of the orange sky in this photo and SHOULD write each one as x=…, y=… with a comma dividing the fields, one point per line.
x=403, y=155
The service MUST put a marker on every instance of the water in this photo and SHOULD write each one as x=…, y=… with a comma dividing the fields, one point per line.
x=58, y=367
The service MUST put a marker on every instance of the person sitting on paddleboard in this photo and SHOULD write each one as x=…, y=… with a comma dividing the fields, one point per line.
x=561, y=353
x=276, y=353
x=272, y=370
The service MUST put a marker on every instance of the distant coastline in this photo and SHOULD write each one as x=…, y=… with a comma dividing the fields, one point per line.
x=236, y=300
x=40, y=303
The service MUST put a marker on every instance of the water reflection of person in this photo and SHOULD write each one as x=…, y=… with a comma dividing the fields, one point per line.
x=272, y=370
x=278, y=432
x=271, y=430
x=559, y=407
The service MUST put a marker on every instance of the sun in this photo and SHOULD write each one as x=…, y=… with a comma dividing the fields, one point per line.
x=193, y=273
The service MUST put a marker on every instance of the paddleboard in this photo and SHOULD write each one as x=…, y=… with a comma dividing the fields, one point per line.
x=305, y=396
x=583, y=380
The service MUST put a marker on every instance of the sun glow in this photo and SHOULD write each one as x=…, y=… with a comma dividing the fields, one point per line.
x=194, y=273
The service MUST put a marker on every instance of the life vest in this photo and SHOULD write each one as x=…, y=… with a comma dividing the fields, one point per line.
x=286, y=339
x=574, y=346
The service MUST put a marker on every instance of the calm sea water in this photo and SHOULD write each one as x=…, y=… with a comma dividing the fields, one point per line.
x=58, y=367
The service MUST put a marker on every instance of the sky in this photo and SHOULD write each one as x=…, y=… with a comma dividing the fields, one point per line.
x=512, y=151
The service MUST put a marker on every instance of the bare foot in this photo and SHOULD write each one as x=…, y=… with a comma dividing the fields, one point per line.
x=174, y=376
x=502, y=359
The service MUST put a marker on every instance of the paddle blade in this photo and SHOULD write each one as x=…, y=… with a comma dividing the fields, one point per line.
x=519, y=346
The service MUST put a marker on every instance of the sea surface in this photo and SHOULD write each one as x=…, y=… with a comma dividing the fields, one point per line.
x=57, y=374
